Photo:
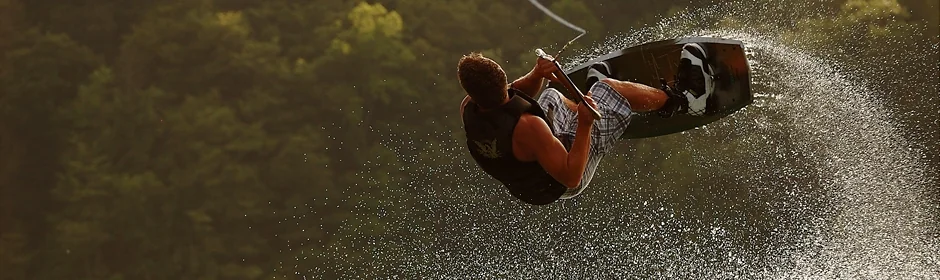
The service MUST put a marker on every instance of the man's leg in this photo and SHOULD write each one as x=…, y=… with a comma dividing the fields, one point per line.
x=642, y=98
x=690, y=93
x=615, y=118
x=569, y=103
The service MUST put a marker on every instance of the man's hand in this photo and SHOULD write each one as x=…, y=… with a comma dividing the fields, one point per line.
x=584, y=114
x=546, y=68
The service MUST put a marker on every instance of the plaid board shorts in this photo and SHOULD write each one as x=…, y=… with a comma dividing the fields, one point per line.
x=615, y=116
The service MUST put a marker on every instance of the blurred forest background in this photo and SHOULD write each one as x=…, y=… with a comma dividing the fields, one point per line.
x=163, y=139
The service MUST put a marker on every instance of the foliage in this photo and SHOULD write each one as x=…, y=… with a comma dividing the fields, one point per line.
x=171, y=139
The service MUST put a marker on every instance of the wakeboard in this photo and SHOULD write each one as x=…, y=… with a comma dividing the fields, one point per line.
x=648, y=63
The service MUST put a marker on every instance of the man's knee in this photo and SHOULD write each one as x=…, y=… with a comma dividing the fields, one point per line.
x=606, y=84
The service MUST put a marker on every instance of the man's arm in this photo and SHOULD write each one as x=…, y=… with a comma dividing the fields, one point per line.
x=567, y=167
x=531, y=84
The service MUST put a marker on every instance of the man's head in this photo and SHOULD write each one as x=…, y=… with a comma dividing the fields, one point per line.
x=483, y=80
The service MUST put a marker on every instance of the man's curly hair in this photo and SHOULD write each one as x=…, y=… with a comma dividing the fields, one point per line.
x=482, y=79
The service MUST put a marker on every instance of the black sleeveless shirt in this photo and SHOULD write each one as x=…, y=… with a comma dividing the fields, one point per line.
x=489, y=139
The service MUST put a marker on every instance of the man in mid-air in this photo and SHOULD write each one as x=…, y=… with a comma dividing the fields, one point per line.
x=548, y=149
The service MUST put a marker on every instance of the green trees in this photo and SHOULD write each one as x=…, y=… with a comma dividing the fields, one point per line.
x=200, y=129
x=40, y=75
x=204, y=139
x=161, y=167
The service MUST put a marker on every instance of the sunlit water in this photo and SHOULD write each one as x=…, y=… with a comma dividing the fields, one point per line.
x=834, y=190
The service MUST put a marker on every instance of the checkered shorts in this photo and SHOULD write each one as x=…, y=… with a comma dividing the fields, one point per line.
x=615, y=116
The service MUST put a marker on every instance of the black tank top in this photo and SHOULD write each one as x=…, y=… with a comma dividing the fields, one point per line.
x=489, y=139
